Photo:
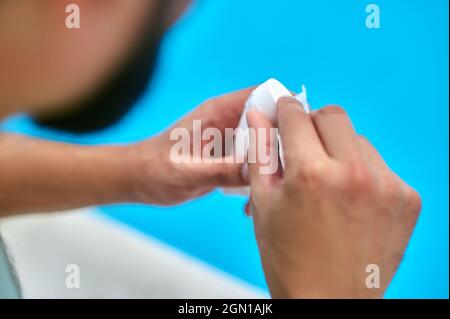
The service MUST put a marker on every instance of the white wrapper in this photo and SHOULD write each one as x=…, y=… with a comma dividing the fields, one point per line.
x=264, y=99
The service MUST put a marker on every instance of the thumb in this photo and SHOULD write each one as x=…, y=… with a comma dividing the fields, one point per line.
x=263, y=151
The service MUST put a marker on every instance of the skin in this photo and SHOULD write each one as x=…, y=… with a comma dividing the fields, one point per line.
x=47, y=68
x=46, y=176
x=336, y=209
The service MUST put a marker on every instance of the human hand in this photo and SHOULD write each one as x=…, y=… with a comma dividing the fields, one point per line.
x=336, y=209
x=160, y=180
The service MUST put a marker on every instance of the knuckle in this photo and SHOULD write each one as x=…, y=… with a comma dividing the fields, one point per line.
x=208, y=103
x=204, y=111
x=391, y=190
x=358, y=178
x=312, y=175
x=414, y=202
x=363, y=140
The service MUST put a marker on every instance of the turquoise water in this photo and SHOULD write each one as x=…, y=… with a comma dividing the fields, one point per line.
x=393, y=81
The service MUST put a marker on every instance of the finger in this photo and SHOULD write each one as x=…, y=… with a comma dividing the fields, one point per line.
x=221, y=113
x=227, y=175
x=372, y=155
x=224, y=111
x=300, y=140
x=213, y=175
x=336, y=132
x=248, y=209
x=262, y=142
x=378, y=164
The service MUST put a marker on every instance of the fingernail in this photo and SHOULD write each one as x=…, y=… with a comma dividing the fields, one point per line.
x=288, y=99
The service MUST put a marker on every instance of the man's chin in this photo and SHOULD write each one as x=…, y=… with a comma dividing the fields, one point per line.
x=117, y=95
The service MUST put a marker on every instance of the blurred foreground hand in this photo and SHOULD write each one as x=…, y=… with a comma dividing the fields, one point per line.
x=38, y=175
x=162, y=180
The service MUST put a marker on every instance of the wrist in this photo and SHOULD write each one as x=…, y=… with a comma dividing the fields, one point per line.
x=116, y=167
x=145, y=170
x=131, y=163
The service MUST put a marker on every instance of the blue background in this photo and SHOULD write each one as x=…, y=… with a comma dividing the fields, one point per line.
x=393, y=81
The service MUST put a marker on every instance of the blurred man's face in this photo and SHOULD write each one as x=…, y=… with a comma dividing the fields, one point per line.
x=45, y=67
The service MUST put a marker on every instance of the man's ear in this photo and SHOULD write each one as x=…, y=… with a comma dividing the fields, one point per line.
x=174, y=10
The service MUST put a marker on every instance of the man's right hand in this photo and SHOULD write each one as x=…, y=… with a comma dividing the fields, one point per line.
x=336, y=210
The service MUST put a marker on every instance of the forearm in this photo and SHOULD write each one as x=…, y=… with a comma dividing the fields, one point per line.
x=37, y=176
